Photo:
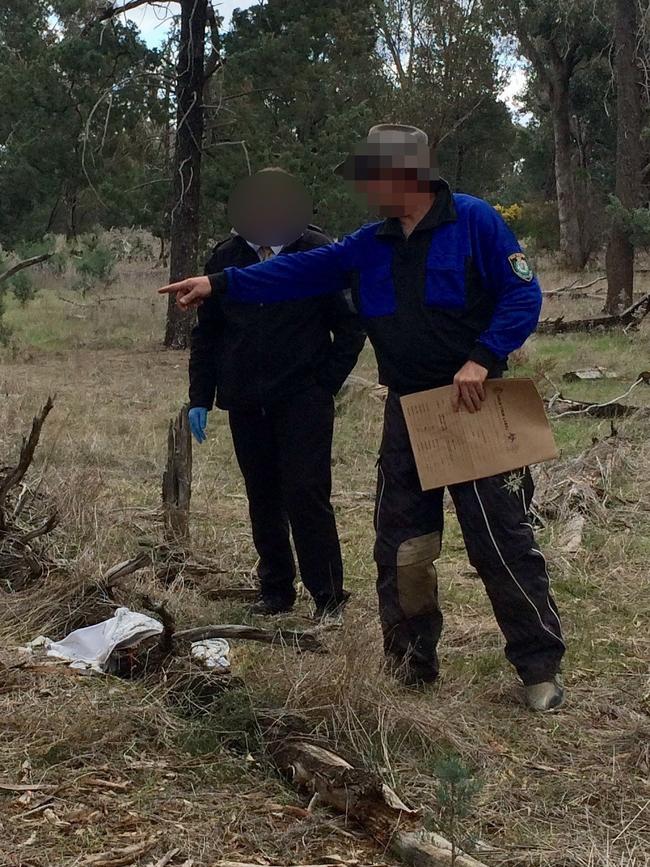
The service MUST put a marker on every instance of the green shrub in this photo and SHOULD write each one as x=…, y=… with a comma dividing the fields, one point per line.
x=23, y=288
x=95, y=265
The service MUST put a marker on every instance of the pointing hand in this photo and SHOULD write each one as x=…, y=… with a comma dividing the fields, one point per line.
x=189, y=293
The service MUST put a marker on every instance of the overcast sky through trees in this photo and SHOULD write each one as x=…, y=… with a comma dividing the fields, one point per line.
x=153, y=23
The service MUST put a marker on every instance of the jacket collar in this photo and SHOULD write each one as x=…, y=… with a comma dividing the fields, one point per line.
x=442, y=211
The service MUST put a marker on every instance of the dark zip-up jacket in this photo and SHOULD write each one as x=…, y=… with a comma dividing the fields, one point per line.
x=457, y=289
x=254, y=355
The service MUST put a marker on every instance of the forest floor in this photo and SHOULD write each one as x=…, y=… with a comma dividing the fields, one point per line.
x=114, y=764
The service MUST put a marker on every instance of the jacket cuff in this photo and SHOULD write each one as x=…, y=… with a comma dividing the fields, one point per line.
x=219, y=283
x=484, y=356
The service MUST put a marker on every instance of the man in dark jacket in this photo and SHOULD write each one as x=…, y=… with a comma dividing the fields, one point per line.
x=446, y=294
x=276, y=368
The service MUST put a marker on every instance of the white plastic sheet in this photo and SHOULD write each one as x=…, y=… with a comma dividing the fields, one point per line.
x=92, y=646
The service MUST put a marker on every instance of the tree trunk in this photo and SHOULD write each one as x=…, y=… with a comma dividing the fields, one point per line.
x=567, y=205
x=187, y=162
x=620, y=251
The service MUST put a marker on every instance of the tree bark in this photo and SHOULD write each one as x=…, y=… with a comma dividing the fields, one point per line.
x=567, y=205
x=177, y=481
x=620, y=250
x=187, y=162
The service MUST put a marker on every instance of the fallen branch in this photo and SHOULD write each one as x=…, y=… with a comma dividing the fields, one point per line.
x=169, y=856
x=125, y=568
x=26, y=263
x=299, y=639
x=14, y=476
x=167, y=636
x=50, y=524
x=551, y=293
x=361, y=795
x=632, y=317
x=121, y=857
x=609, y=409
x=28, y=787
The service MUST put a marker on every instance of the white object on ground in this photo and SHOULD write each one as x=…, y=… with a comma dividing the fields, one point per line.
x=92, y=646
x=212, y=653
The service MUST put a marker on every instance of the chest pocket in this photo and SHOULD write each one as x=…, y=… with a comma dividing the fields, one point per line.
x=445, y=281
x=377, y=291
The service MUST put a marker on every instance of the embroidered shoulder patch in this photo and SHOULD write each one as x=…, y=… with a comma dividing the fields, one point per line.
x=520, y=265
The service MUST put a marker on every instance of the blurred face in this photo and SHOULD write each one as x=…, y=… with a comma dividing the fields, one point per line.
x=394, y=192
x=270, y=208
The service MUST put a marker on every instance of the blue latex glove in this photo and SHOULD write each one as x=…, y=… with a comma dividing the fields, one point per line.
x=198, y=419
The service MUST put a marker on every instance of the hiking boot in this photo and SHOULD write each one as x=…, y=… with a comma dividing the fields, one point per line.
x=545, y=696
x=329, y=612
x=270, y=607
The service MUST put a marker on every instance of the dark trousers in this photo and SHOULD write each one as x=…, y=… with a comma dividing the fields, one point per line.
x=284, y=452
x=493, y=516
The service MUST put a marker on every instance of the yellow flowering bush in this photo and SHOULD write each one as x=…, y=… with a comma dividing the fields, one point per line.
x=510, y=213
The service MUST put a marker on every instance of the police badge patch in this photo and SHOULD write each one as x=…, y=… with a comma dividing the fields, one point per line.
x=519, y=264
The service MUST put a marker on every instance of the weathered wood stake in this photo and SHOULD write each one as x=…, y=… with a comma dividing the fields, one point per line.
x=177, y=481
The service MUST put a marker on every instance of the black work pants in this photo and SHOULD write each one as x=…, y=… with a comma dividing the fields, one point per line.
x=493, y=516
x=284, y=452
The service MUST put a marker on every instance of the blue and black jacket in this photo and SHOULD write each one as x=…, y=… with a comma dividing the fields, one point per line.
x=457, y=289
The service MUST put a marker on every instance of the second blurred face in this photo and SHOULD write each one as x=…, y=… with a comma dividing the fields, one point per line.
x=270, y=208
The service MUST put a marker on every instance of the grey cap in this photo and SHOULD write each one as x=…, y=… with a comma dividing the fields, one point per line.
x=391, y=145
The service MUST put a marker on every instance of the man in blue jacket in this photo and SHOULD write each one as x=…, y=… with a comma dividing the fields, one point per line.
x=446, y=294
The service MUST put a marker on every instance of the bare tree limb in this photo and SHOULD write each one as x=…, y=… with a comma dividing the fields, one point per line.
x=15, y=475
x=26, y=263
x=111, y=11
x=571, y=287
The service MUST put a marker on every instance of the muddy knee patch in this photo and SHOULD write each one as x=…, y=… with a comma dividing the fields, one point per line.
x=417, y=580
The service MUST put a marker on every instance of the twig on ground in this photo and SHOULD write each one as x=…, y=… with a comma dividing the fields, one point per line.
x=609, y=409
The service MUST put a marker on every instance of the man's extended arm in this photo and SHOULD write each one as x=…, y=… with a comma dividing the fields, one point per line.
x=321, y=271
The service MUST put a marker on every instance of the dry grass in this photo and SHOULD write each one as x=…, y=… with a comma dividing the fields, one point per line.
x=571, y=789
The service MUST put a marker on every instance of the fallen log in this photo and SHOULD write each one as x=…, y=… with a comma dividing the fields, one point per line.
x=296, y=638
x=361, y=795
x=632, y=317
